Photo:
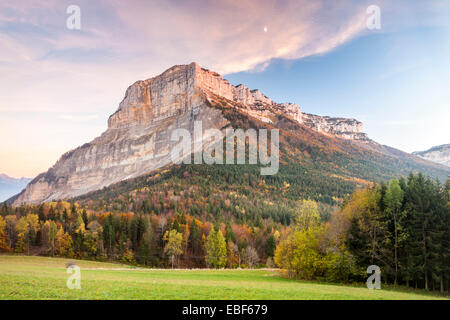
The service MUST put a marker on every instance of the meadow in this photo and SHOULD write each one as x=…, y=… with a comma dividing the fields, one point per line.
x=25, y=277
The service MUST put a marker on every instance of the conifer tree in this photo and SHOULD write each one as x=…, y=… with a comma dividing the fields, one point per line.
x=393, y=200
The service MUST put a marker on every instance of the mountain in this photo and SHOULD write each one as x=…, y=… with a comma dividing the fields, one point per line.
x=11, y=186
x=322, y=157
x=439, y=154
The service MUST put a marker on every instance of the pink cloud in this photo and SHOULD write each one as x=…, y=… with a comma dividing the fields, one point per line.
x=49, y=68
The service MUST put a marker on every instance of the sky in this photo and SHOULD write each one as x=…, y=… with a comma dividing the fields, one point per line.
x=58, y=85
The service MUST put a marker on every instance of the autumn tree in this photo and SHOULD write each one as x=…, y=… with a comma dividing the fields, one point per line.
x=251, y=257
x=216, y=249
x=27, y=228
x=307, y=215
x=367, y=231
x=63, y=243
x=10, y=229
x=3, y=238
x=94, y=239
x=174, y=245
x=50, y=230
x=233, y=251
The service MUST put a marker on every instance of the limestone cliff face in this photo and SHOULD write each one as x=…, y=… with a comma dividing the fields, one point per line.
x=137, y=140
x=439, y=154
x=341, y=127
x=181, y=87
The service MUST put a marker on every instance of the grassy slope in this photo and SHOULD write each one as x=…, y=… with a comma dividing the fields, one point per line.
x=45, y=278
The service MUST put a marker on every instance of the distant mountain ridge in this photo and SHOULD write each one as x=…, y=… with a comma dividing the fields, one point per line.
x=10, y=186
x=439, y=154
x=137, y=142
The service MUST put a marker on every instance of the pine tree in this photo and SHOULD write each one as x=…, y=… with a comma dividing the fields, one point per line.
x=270, y=246
x=440, y=232
x=85, y=217
x=420, y=225
x=393, y=200
x=41, y=213
x=109, y=235
x=195, y=238
x=145, y=249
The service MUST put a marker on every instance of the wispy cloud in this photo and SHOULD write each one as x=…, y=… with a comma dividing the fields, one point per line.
x=50, y=67
x=46, y=67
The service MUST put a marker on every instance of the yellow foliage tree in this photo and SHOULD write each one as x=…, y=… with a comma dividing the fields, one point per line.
x=49, y=232
x=63, y=243
x=22, y=235
x=307, y=215
x=299, y=254
x=3, y=240
x=216, y=249
x=174, y=244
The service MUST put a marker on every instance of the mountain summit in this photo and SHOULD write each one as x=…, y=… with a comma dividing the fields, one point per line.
x=181, y=89
x=137, y=140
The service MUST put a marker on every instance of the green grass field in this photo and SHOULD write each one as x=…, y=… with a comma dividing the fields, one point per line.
x=45, y=278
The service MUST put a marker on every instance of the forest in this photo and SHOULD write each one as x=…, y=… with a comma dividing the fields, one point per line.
x=402, y=227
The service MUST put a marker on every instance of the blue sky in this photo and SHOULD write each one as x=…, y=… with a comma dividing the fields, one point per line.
x=59, y=86
x=396, y=83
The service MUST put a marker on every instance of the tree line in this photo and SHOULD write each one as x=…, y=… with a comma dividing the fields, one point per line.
x=402, y=227
x=165, y=240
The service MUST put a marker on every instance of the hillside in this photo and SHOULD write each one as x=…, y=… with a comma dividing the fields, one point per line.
x=312, y=165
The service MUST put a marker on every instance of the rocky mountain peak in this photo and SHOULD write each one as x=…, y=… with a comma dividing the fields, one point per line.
x=179, y=88
x=137, y=140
